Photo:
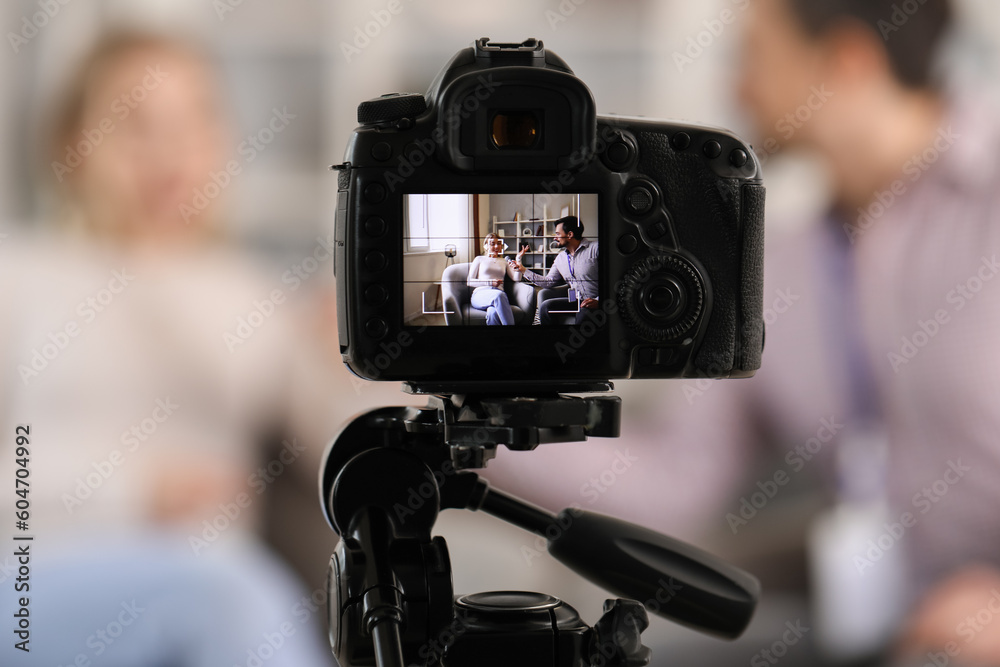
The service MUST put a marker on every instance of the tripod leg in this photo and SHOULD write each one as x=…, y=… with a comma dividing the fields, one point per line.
x=382, y=606
x=390, y=580
x=388, y=645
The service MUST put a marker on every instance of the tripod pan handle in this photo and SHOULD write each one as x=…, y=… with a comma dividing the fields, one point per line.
x=673, y=579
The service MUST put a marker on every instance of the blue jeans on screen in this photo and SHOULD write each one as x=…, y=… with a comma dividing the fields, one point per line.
x=494, y=302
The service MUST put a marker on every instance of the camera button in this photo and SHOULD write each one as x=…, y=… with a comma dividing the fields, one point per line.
x=658, y=231
x=739, y=158
x=627, y=244
x=376, y=327
x=382, y=151
x=619, y=152
x=639, y=199
x=712, y=149
x=657, y=356
x=375, y=260
x=374, y=192
x=376, y=295
x=375, y=226
x=665, y=356
x=620, y=155
x=681, y=141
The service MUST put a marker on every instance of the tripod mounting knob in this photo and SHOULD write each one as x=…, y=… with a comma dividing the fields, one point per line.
x=618, y=635
x=502, y=628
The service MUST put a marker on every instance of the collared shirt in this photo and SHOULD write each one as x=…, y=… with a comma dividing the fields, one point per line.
x=929, y=293
x=578, y=270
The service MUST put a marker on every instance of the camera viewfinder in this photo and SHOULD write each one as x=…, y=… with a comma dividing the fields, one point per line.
x=515, y=129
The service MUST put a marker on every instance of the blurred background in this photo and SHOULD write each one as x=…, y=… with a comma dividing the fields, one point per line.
x=289, y=76
x=293, y=55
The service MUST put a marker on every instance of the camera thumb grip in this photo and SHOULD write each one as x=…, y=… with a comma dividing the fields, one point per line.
x=673, y=579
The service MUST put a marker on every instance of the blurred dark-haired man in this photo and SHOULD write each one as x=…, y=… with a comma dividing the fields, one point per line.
x=900, y=312
x=882, y=368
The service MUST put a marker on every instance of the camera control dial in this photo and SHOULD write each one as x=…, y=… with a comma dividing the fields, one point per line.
x=390, y=108
x=661, y=297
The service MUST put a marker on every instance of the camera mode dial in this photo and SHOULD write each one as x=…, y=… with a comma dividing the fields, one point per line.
x=390, y=108
x=661, y=297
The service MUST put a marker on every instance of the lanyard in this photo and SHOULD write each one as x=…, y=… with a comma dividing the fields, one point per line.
x=843, y=322
x=569, y=260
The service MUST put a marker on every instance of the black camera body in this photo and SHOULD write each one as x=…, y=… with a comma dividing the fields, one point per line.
x=505, y=143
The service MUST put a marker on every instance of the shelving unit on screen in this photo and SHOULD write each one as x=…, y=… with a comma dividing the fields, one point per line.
x=536, y=233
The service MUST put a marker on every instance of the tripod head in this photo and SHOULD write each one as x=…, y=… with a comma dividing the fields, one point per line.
x=390, y=472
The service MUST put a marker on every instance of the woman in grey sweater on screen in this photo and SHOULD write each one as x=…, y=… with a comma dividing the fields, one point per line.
x=486, y=275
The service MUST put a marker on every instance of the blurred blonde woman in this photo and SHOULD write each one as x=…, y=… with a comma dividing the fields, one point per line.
x=147, y=409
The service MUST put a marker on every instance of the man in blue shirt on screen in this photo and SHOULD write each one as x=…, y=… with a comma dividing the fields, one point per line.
x=576, y=267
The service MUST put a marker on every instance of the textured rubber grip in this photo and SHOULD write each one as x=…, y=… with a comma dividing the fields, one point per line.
x=751, y=334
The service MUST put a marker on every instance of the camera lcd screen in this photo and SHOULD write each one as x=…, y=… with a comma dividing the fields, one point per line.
x=500, y=259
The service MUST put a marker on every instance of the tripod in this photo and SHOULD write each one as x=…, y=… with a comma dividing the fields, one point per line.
x=390, y=472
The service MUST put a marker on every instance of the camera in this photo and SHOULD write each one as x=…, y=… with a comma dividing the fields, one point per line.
x=497, y=230
x=501, y=246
